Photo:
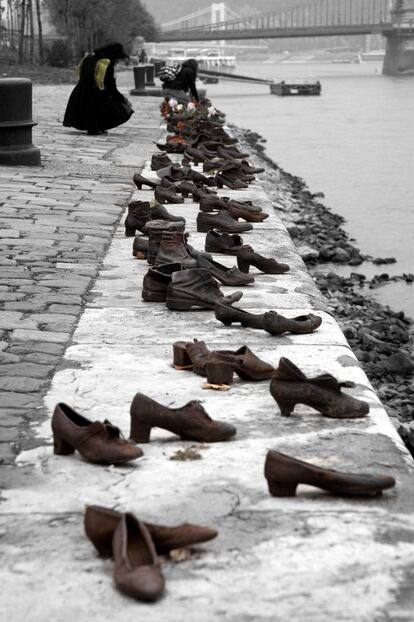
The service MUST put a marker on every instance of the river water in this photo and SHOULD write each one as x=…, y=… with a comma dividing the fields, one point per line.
x=355, y=143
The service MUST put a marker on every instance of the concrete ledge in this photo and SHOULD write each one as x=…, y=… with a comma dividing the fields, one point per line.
x=313, y=557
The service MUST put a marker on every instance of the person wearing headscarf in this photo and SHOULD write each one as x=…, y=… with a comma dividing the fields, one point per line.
x=95, y=104
x=183, y=83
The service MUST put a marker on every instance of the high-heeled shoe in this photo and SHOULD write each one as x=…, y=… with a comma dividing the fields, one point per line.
x=190, y=422
x=289, y=386
x=167, y=195
x=276, y=324
x=96, y=441
x=247, y=258
x=284, y=474
x=228, y=315
x=137, y=569
x=140, y=180
x=100, y=524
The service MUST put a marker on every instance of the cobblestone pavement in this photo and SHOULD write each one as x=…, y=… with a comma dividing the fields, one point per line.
x=56, y=223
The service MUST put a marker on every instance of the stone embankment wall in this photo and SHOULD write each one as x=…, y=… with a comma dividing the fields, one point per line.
x=310, y=557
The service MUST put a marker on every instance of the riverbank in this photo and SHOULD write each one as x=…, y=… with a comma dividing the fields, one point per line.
x=381, y=338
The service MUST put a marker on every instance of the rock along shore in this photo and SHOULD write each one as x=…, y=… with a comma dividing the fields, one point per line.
x=382, y=339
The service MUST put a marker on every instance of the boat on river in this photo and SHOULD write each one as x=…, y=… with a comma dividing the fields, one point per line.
x=300, y=86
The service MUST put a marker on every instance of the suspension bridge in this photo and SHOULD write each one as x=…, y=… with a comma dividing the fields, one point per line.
x=394, y=19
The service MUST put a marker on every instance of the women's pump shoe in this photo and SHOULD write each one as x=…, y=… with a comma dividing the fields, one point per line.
x=233, y=183
x=277, y=324
x=228, y=315
x=227, y=276
x=100, y=524
x=137, y=569
x=284, y=474
x=96, y=441
x=222, y=221
x=167, y=195
x=140, y=180
x=289, y=386
x=247, y=258
x=190, y=422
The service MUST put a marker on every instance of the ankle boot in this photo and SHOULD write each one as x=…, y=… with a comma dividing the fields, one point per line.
x=276, y=324
x=226, y=276
x=289, y=386
x=173, y=249
x=99, y=442
x=247, y=258
x=190, y=422
x=211, y=203
x=160, y=161
x=223, y=243
x=284, y=474
x=140, y=247
x=140, y=180
x=222, y=221
x=137, y=569
x=154, y=229
x=196, y=288
x=100, y=524
x=227, y=315
x=139, y=213
x=156, y=281
x=167, y=195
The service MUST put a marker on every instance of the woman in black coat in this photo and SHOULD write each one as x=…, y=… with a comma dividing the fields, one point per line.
x=95, y=103
x=184, y=82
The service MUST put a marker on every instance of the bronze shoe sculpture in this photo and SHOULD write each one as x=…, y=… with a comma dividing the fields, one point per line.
x=223, y=243
x=167, y=195
x=191, y=355
x=276, y=324
x=228, y=315
x=100, y=524
x=137, y=569
x=247, y=258
x=284, y=474
x=173, y=249
x=140, y=247
x=190, y=422
x=196, y=288
x=155, y=229
x=97, y=442
x=140, y=180
x=156, y=281
x=239, y=211
x=245, y=363
x=227, y=276
x=289, y=386
x=222, y=221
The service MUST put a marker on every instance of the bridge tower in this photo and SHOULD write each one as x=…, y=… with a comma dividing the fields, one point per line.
x=398, y=58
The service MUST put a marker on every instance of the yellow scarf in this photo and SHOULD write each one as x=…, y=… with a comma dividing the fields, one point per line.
x=100, y=71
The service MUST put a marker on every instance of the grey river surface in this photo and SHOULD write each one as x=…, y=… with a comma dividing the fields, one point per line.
x=354, y=143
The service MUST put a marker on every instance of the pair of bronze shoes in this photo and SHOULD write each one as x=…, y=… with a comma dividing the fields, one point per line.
x=135, y=546
x=284, y=474
x=218, y=365
x=103, y=443
x=289, y=386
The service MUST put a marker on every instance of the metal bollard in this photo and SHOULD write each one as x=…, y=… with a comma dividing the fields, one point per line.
x=150, y=69
x=16, y=123
x=140, y=74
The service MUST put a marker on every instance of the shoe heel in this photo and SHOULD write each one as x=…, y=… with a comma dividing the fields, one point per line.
x=219, y=373
x=138, y=184
x=185, y=194
x=61, y=447
x=285, y=407
x=141, y=433
x=219, y=183
x=180, y=355
x=130, y=232
x=279, y=489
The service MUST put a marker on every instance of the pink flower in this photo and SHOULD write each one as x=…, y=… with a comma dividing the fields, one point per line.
x=172, y=103
x=191, y=106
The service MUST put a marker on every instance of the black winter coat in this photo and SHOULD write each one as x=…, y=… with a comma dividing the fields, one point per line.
x=90, y=108
x=183, y=81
